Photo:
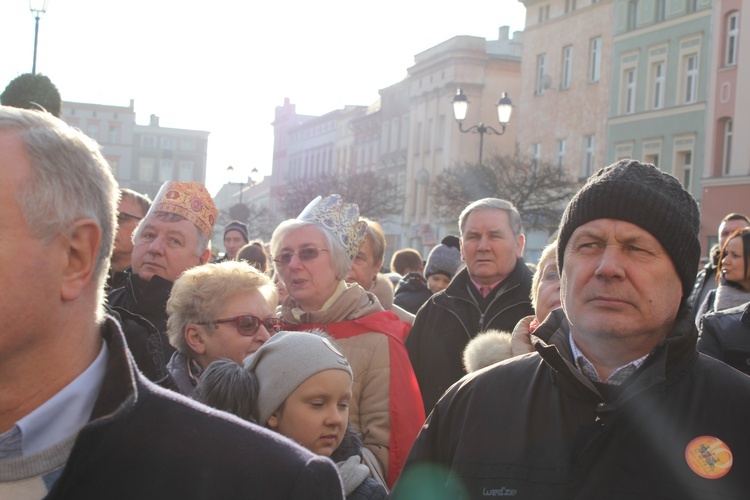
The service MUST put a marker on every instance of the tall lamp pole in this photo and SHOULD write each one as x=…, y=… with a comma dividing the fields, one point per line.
x=37, y=8
x=461, y=106
x=230, y=171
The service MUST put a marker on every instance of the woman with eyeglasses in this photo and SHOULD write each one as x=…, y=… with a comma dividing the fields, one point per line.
x=312, y=255
x=217, y=311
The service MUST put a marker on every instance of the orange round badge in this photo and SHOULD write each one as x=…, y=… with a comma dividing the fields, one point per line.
x=709, y=457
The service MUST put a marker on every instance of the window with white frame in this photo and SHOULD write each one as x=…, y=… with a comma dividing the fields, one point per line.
x=385, y=135
x=417, y=138
x=628, y=96
x=567, y=65
x=167, y=143
x=536, y=154
x=394, y=135
x=726, y=158
x=587, y=166
x=166, y=170
x=661, y=10
x=428, y=136
x=632, y=14
x=570, y=6
x=657, y=84
x=733, y=31
x=146, y=169
x=684, y=168
x=186, y=171
x=541, y=61
x=440, y=138
x=690, y=63
x=114, y=134
x=561, y=154
x=595, y=59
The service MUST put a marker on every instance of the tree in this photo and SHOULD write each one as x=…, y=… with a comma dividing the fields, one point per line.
x=30, y=91
x=376, y=196
x=539, y=190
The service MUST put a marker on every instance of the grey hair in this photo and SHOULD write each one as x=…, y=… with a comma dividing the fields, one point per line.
x=203, y=242
x=142, y=200
x=492, y=204
x=227, y=386
x=70, y=180
x=340, y=260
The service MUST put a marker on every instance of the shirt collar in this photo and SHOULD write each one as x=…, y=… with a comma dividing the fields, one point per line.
x=479, y=287
x=587, y=367
x=65, y=412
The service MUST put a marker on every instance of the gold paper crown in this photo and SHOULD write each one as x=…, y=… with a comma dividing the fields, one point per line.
x=341, y=219
x=190, y=200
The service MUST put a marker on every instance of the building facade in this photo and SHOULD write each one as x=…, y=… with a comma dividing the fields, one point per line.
x=725, y=184
x=657, y=112
x=142, y=157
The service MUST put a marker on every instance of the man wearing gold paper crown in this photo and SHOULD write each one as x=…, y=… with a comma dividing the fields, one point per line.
x=174, y=236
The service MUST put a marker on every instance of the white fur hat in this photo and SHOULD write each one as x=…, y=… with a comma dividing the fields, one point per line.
x=486, y=349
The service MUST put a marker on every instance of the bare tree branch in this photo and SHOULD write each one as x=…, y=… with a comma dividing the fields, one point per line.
x=539, y=190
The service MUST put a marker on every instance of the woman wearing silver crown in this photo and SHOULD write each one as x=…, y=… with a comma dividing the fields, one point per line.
x=313, y=255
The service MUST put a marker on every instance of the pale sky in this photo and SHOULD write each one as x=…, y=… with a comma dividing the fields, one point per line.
x=224, y=66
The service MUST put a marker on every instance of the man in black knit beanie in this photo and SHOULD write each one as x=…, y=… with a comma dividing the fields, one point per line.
x=615, y=402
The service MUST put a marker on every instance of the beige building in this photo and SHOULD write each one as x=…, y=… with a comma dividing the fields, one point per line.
x=142, y=157
x=566, y=77
x=483, y=70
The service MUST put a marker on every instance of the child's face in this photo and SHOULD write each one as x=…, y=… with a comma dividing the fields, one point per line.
x=437, y=282
x=316, y=414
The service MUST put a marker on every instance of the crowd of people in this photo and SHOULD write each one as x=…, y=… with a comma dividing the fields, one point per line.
x=135, y=364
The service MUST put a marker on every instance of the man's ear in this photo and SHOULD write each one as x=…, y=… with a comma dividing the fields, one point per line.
x=194, y=339
x=205, y=256
x=79, y=262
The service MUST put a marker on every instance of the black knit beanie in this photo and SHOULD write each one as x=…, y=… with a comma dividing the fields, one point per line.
x=238, y=226
x=645, y=196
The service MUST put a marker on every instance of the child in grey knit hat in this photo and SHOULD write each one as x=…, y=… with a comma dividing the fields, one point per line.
x=443, y=263
x=302, y=385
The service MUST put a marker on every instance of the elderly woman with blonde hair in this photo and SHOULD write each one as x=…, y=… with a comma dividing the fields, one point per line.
x=313, y=255
x=216, y=311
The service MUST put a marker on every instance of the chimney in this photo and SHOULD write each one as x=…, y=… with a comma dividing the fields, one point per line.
x=504, y=33
x=154, y=121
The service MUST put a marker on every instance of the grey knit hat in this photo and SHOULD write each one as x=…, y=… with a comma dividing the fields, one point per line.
x=645, y=196
x=444, y=258
x=236, y=225
x=285, y=361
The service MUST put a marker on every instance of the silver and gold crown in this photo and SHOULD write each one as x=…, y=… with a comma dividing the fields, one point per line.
x=341, y=219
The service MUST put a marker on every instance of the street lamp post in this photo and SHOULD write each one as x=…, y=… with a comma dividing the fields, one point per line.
x=37, y=8
x=461, y=106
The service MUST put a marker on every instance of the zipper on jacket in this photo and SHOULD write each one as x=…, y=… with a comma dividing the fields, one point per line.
x=481, y=321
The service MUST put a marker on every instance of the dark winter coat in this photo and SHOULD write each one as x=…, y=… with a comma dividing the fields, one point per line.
x=454, y=316
x=725, y=335
x=412, y=292
x=535, y=427
x=145, y=442
x=704, y=283
x=142, y=308
x=369, y=488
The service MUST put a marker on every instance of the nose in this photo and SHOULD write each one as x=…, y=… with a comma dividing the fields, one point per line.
x=335, y=416
x=262, y=334
x=295, y=262
x=483, y=243
x=156, y=246
x=610, y=265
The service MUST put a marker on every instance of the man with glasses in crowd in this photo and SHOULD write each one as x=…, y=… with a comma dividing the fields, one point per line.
x=132, y=208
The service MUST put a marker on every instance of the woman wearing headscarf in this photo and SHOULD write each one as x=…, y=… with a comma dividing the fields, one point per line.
x=313, y=255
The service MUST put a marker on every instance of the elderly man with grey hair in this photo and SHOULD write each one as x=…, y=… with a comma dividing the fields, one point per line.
x=77, y=418
x=491, y=292
x=173, y=236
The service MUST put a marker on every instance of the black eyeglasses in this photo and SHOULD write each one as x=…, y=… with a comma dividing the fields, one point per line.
x=248, y=325
x=123, y=216
x=304, y=254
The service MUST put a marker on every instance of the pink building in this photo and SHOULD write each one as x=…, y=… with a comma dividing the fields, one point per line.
x=726, y=178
